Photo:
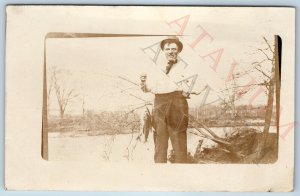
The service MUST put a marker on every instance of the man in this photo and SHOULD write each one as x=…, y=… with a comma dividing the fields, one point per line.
x=170, y=114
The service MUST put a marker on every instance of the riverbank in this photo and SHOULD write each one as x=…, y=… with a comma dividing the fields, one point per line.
x=73, y=146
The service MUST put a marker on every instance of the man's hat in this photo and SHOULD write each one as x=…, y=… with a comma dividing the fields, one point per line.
x=172, y=39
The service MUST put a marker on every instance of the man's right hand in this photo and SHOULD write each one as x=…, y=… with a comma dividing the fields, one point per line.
x=143, y=78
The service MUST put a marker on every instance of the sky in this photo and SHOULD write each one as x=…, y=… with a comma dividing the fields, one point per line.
x=92, y=67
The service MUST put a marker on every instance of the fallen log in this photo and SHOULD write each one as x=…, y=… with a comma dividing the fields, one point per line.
x=233, y=155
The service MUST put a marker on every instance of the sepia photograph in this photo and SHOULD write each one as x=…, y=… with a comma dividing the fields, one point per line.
x=150, y=98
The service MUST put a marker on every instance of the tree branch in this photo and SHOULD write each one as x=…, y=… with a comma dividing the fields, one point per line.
x=265, y=54
x=268, y=44
x=261, y=71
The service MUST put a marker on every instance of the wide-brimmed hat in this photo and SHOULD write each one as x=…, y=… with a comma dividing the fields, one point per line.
x=172, y=39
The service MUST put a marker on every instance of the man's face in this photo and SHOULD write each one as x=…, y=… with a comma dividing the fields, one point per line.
x=171, y=51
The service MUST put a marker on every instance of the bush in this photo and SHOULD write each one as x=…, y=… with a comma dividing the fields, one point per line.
x=117, y=122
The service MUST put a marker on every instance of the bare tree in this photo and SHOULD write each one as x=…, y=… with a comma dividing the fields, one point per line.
x=83, y=107
x=50, y=83
x=269, y=84
x=63, y=95
x=265, y=69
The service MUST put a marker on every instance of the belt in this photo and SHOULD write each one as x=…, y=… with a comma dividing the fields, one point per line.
x=177, y=94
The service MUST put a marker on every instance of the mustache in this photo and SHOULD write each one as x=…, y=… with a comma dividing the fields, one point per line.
x=172, y=55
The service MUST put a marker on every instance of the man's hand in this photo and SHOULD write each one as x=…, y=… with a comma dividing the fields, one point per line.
x=198, y=93
x=186, y=94
x=143, y=78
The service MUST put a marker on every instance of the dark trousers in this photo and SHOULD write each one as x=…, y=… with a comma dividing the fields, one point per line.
x=170, y=118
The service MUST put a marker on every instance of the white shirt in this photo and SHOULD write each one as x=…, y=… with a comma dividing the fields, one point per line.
x=158, y=82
